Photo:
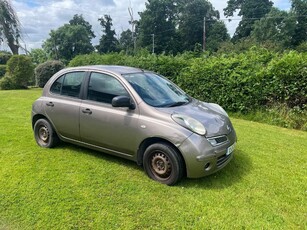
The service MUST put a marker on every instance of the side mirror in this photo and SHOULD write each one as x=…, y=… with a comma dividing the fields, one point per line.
x=123, y=101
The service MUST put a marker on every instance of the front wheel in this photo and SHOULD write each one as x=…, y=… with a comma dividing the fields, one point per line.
x=163, y=163
x=44, y=134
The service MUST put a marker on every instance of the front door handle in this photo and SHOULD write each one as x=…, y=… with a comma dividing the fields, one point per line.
x=50, y=104
x=88, y=111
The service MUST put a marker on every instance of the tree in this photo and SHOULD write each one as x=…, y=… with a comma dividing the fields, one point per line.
x=174, y=26
x=9, y=26
x=191, y=25
x=279, y=27
x=69, y=41
x=216, y=35
x=299, y=9
x=157, y=26
x=38, y=56
x=126, y=41
x=79, y=20
x=107, y=43
x=250, y=10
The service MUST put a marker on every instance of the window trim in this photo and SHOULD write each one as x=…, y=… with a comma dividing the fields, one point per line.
x=81, y=92
x=87, y=81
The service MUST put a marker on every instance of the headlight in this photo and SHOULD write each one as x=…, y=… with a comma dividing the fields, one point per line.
x=218, y=108
x=189, y=123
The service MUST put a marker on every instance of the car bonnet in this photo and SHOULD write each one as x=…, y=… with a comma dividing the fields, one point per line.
x=215, y=122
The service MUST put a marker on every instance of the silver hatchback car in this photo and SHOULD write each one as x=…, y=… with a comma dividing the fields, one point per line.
x=135, y=114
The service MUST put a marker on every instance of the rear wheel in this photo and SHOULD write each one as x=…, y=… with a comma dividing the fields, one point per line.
x=44, y=134
x=163, y=163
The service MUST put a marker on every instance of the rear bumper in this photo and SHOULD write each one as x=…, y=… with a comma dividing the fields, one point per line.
x=202, y=158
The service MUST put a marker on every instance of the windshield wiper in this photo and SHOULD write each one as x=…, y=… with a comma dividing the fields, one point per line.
x=178, y=103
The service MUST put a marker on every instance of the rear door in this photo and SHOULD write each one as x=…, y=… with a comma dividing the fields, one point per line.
x=103, y=125
x=63, y=106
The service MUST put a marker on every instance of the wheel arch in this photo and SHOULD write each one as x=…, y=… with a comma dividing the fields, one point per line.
x=152, y=140
x=36, y=117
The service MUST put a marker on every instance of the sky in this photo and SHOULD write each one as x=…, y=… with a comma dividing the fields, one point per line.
x=39, y=17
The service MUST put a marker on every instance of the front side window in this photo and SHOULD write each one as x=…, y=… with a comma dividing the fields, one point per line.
x=103, y=88
x=68, y=84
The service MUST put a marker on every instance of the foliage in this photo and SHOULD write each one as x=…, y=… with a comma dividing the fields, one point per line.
x=191, y=24
x=19, y=72
x=174, y=26
x=107, y=43
x=70, y=187
x=79, y=20
x=299, y=9
x=45, y=71
x=169, y=66
x=38, y=56
x=158, y=22
x=9, y=26
x=250, y=11
x=279, y=115
x=286, y=79
x=4, y=57
x=302, y=47
x=243, y=81
x=279, y=27
x=126, y=42
x=6, y=83
x=69, y=40
x=2, y=70
x=233, y=81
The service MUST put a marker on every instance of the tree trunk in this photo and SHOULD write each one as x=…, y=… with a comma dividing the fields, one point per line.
x=14, y=48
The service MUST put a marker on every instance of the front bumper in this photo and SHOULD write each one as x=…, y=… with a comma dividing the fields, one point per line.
x=202, y=158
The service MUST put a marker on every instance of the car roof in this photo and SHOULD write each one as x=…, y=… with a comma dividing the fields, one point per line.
x=117, y=69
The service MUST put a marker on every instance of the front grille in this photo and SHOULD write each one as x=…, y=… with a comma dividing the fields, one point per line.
x=222, y=159
x=221, y=139
x=215, y=141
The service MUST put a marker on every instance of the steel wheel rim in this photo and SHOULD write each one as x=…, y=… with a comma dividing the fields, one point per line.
x=43, y=134
x=161, y=165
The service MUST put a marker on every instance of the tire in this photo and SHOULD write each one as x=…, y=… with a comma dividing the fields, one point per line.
x=44, y=134
x=162, y=163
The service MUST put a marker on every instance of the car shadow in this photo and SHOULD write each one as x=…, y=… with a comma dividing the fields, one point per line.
x=100, y=155
x=233, y=173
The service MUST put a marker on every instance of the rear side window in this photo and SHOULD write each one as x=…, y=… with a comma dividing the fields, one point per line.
x=103, y=88
x=68, y=84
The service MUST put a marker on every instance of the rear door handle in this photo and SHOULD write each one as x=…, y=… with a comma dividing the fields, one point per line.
x=88, y=111
x=50, y=104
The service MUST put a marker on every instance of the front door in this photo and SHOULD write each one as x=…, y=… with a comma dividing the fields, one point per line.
x=103, y=125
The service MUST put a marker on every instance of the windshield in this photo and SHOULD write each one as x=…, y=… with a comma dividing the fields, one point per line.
x=157, y=91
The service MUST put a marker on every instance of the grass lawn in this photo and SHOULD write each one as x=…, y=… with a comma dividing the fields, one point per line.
x=264, y=187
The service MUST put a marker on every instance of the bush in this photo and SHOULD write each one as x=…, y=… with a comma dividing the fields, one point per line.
x=44, y=71
x=4, y=57
x=2, y=70
x=18, y=72
x=6, y=83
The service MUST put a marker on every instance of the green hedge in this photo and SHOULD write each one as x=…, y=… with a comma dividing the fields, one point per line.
x=169, y=66
x=239, y=82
